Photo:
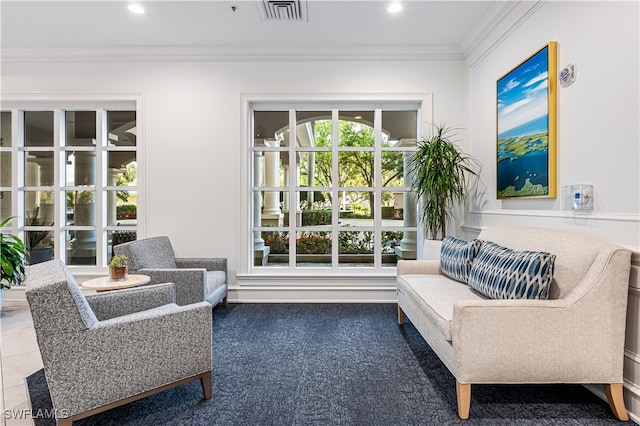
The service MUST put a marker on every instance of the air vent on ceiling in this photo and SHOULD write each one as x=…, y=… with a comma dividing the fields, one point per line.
x=283, y=10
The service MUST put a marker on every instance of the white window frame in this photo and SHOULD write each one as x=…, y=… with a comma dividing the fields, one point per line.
x=318, y=102
x=16, y=103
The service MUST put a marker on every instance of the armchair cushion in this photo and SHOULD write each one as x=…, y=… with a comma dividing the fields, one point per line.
x=152, y=253
x=501, y=273
x=215, y=279
x=70, y=312
x=456, y=257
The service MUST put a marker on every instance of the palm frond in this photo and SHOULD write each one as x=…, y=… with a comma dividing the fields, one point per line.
x=13, y=254
x=439, y=170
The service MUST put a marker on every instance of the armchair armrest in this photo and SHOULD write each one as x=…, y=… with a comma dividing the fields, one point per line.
x=190, y=282
x=123, y=302
x=150, y=349
x=430, y=267
x=148, y=315
x=209, y=263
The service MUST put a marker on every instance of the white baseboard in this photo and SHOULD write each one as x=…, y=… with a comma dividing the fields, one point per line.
x=310, y=294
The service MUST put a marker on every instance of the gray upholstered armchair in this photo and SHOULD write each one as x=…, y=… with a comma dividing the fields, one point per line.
x=196, y=279
x=108, y=349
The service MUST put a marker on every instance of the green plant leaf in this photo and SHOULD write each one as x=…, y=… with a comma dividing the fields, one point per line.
x=439, y=170
x=12, y=258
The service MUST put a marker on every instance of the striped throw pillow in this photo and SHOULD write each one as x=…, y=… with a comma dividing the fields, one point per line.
x=502, y=273
x=456, y=257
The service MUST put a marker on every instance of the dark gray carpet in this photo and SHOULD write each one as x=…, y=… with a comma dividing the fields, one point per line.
x=335, y=364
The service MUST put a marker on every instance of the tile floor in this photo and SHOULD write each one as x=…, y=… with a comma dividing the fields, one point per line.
x=19, y=357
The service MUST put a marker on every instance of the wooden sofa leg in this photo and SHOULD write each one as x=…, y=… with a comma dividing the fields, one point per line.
x=400, y=316
x=205, y=380
x=463, y=390
x=616, y=400
x=225, y=302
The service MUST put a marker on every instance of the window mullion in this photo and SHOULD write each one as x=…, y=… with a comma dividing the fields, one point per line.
x=59, y=212
x=293, y=183
x=101, y=183
x=18, y=158
x=335, y=176
x=377, y=191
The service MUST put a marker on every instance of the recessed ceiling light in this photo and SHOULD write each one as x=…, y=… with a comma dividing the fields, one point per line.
x=136, y=8
x=394, y=7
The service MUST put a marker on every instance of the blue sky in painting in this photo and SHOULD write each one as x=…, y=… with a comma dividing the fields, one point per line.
x=522, y=93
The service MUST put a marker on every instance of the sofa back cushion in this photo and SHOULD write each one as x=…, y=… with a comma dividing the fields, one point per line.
x=456, y=257
x=575, y=253
x=501, y=273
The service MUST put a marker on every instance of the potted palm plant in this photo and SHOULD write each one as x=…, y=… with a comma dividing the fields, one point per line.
x=439, y=169
x=38, y=242
x=13, y=258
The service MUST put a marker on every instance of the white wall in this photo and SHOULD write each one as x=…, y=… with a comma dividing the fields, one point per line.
x=598, y=132
x=191, y=118
x=598, y=138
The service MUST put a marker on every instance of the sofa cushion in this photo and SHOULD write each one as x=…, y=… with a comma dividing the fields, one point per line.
x=435, y=296
x=456, y=257
x=502, y=273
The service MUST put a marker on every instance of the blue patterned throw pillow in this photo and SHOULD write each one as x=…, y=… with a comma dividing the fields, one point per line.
x=501, y=273
x=456, y=257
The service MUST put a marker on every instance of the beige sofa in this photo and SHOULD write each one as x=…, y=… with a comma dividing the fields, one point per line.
x=577, y=336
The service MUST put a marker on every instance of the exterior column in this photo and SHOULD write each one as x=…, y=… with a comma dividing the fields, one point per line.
x=288, y=205
x=39, y=171
x=112, y=213
x=271, y=214
x=311, y=167
x=407, y=248
x=260, y=251
x=83, y=246
x=285, y=195
x=297, y=200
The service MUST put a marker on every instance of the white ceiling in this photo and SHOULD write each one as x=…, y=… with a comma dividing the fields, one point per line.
x=208, y=29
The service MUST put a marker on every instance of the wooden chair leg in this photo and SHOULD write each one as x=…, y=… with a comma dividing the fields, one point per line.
x=400, y=315
x=616, y=400
x=66, y=421
x=463, y=390
x=205, y=380
x=225, y=302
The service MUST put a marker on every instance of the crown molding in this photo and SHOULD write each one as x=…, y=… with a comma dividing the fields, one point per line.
x=494, y=16
x=230, y=53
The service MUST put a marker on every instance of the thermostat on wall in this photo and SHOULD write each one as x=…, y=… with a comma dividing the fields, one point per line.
x=567, y=75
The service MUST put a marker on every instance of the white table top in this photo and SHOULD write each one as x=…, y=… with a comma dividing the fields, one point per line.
x=106, y=283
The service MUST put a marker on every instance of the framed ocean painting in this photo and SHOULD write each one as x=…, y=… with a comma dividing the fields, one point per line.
x=526, y=127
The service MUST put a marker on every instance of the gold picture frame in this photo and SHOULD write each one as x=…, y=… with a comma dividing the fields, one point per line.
x=526, y=127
